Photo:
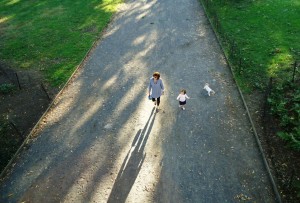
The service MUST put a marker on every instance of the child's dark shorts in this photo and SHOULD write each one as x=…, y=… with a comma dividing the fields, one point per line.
x=182, y=103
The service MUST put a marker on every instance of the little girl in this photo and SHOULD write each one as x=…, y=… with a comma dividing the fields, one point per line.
x=182, y=98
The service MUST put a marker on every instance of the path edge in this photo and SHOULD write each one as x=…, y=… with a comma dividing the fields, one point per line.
x=26, y=141
x=274, y=186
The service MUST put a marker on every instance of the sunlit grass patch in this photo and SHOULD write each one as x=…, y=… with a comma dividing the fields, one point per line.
x=51, y=36
x=266, y=34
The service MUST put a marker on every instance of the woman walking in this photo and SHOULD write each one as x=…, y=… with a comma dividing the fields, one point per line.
x=156, y=89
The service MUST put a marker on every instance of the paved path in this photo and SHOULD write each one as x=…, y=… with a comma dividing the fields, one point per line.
x=103, y=142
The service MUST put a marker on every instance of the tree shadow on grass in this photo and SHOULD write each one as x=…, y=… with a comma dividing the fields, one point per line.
x=132, y=164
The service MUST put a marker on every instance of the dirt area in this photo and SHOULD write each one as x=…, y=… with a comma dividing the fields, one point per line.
x=283, y=161
x=20, y=107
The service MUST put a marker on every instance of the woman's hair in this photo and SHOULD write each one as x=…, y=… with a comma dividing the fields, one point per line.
x=156, y=74
x=183, y=90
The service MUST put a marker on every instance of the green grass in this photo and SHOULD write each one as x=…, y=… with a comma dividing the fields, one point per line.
x=267, y=34
x=51, y=35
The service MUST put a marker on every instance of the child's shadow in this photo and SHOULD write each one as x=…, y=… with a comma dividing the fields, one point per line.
x=132, y=163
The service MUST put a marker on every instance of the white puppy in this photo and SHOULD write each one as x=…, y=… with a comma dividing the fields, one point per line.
x=207, y=88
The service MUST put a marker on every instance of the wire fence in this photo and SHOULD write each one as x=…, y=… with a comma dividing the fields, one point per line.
x=18, y=83
x=230, y=45
x=9, y=76
x=291, y=79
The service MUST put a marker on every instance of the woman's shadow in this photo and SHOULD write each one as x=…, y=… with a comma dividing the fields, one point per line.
x=132, y=164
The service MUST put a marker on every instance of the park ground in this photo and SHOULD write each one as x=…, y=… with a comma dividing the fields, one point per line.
x=147, y=55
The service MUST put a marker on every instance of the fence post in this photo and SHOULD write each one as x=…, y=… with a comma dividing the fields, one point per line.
x=294, y=72
x=240, y=58
x=16, y=129
x=240, y=62
x=18, y=80
x=271, y=84
x=291, y=179
x=44, y=89
x=217, y=22
x=267, y=94
x=232, y=47
x=270, y=87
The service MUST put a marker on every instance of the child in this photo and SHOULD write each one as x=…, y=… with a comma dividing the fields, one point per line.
x=182, y=98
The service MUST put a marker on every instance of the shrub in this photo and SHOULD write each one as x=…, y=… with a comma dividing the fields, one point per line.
x=285, y=104
x=7, y=88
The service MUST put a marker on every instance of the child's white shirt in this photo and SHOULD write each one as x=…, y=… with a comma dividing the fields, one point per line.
x=182, y=97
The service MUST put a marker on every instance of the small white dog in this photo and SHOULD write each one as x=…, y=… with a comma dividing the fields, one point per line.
x=207, y=88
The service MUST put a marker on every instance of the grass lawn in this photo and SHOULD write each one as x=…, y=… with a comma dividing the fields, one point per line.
x=51, y=35
x=266, y=32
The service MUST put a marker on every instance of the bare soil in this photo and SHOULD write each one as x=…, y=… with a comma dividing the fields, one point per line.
x=283, y=161
x=21, y=107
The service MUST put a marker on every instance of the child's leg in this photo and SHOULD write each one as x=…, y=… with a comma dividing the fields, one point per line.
x=183, y=105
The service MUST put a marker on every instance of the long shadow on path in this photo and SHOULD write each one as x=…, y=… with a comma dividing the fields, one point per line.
x=132, y=163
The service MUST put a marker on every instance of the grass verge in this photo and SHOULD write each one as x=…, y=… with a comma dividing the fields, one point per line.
x=51, y=36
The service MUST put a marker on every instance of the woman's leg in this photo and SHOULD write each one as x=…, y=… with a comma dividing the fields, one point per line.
x=158, y=101
x=153, y=99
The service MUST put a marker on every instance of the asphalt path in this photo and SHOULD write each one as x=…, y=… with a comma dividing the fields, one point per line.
x=104, y=142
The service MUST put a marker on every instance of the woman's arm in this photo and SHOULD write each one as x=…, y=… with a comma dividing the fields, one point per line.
x=149, y=87
x=162, y=86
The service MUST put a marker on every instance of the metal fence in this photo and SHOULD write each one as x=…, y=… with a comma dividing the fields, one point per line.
x=21, y=81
